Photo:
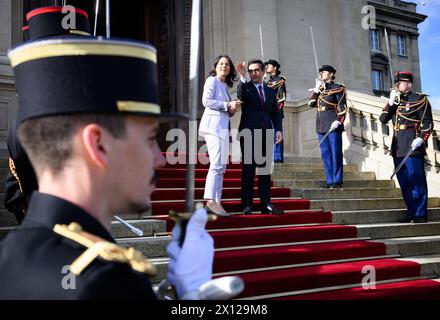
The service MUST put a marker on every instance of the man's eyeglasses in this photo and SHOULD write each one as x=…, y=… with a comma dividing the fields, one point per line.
x=254, y=70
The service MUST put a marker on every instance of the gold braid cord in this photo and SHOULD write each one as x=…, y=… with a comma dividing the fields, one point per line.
x=13, y=170
x=276, y=85
x=98, y=247
x=415, y=108
x=329, y=93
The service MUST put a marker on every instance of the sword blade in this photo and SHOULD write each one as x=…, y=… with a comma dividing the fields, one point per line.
x=314, y=51
x=402, y=163
x=193, y=102
x=322, y=140
x=139, y=232
x=387, y=43
x=96, y=18
x=261, y=43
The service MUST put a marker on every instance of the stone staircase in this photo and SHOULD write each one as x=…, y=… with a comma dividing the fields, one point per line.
x=313, y=252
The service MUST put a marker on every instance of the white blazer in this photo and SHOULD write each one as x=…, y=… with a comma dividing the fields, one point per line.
x=215, y=99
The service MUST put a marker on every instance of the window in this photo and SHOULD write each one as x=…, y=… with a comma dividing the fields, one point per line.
x=377, y=80
x=401, y=45
x=374, y=35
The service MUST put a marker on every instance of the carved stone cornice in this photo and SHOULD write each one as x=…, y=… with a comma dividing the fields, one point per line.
x=398, y=13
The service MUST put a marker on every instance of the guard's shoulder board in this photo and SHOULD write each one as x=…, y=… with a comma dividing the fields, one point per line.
x=341, y=84
x=98, y=247
x=422, y=94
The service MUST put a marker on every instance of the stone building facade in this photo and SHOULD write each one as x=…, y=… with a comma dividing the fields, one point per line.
x=232, y=27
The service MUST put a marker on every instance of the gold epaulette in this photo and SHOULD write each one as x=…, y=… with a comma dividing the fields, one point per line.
x=13, y=171
x=275, y=84
x=98, y=247
x=422, y=94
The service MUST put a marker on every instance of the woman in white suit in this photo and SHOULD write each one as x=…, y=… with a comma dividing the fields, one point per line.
x=214, y=127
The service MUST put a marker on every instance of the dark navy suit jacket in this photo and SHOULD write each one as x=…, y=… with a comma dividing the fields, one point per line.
x=257, y=116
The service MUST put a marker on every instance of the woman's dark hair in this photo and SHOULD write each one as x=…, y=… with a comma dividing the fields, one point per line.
x=232, y=76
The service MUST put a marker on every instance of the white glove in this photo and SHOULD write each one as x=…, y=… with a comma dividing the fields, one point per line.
x=191, y=266
x=393, y=95
x=335, y=125
x=318, y=86
x=416, y=143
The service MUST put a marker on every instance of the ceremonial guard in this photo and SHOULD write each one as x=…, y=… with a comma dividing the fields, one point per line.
x=21, y=181
x=277, y=82
x=91, y=138
x=413, y=124
x=329, y=98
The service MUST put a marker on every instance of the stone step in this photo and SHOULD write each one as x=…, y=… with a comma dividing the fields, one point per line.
x=369, y=204
x=309, y=167
x=412, y=246
x=150, y=246
x=319, y=183
x=321, y=176
x=346, y=193
x=376, y=216
x=301, y=160
x=429, y=264
x=395, y=230
x=149, y=227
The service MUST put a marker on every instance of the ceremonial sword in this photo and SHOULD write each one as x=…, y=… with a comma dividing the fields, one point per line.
x=402, y=163
x=193, y=106
x=322, y=140
x=314, y=52
x=387, y=43
x=132, y=228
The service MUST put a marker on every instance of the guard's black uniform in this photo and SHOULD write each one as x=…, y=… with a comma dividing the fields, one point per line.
x=33, y=258
x=20, y=180
x=331, y=106
x=278, y=83
x=412, y=118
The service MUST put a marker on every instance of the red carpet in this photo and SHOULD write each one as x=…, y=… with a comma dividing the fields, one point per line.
x=258, y=220
x=160, y=208
x=225, y=239
x=261, y=283
x=199, y=183
x=179, y=194
x=173, y=177
x=407, y=290
x=202, y=166
x=199, y=173
x=268, y=257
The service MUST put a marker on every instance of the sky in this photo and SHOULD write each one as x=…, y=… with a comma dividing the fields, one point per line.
x=429, y=48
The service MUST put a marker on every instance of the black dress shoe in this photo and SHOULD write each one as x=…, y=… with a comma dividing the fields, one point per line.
x=247, y=210
x=405, y=220
x=337, y=186
x=420, y=220
x=270, y=209
x=327, y=186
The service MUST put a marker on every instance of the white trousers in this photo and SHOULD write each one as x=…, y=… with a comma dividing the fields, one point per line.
x=218, y=150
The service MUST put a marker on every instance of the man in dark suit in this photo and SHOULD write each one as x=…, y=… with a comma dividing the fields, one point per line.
x=260, y=115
